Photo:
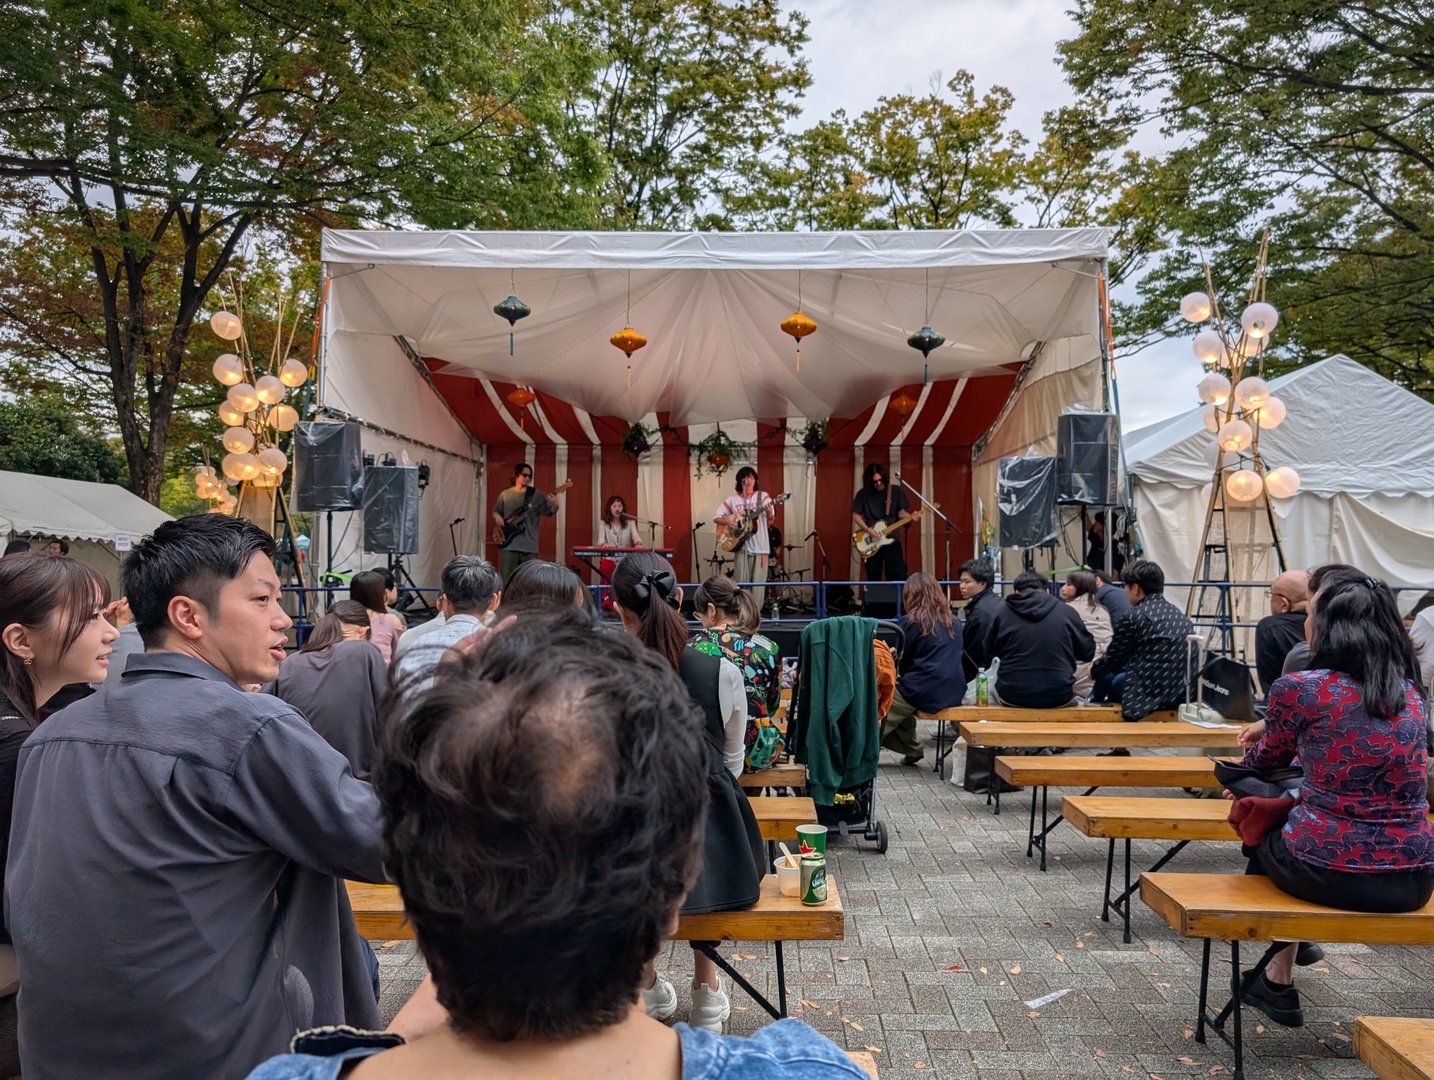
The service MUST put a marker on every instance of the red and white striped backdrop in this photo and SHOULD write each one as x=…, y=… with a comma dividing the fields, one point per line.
x=931, y=447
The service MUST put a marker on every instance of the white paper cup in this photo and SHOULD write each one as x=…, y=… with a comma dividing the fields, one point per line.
x=789, y=878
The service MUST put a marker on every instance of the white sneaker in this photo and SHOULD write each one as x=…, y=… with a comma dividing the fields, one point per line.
x=710, y=1008
x=661, y=1000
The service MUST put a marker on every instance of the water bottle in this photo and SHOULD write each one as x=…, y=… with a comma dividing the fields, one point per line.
x=982, y=698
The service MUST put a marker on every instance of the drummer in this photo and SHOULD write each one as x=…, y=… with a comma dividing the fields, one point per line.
x=616, y=527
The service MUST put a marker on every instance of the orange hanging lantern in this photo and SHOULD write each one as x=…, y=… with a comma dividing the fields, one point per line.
x=902, y=403
x=629, y=341
x=521, y=397
x=799, y=326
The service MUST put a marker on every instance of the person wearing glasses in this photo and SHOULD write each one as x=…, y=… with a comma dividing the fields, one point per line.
x=1284, y=628
x=515, y=516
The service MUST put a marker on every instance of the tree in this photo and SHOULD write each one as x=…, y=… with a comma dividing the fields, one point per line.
x=39, y=434
x=688, y=91
x=158, y=139
x=1312, y=118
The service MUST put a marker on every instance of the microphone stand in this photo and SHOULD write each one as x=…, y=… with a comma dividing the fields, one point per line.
x=932, y=508
x=452, y=536
x=652, y=527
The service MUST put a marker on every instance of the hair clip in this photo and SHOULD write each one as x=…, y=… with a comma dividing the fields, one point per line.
x=1373, y=583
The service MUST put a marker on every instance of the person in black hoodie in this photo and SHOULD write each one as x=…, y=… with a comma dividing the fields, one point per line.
x=1039, y=641
x=978, y=590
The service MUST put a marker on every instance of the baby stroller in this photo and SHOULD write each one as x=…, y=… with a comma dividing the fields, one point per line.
x=834, y=729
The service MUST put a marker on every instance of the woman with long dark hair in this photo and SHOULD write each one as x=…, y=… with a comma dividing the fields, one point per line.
x=338, y=681
x=370, y=590
x=928, y=675
x=616, y=527
x=1081, y=591
x=730, y=621
x=52, y=634
x=1357, y=834
x=646, y=594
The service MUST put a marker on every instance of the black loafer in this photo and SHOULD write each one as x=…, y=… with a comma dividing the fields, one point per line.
x=1308, y=953
x=1280, y=1004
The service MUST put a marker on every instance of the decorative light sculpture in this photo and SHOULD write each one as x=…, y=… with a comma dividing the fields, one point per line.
x=1243, y=485
x=1234, y=436
x=1282, y=483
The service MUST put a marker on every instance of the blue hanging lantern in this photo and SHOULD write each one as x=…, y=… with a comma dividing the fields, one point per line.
x=925, y=339
x=512, y=309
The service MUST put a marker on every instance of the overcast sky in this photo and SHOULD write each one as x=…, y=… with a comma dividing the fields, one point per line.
x=861, y=50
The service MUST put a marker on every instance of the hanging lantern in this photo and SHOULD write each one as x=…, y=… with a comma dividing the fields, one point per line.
x=238, y=439
x=902, y=403
x=1258, y=320
x=272, y=461
x=512, y=309
x=925, y=340
x=1282, y=483
x=1211, y=416
x=1195, y=307
x=521, y=397
x=629, y=341
x=226, y=325
x=229, y=415
x=265, y=480
x=228, y=369
x=1214, y=389
x=1252, y=392
x=1243, y=485
x=799, y=325
x=240, y=467
x=269, y=390
x=1209, y=349
x=1270, y=415
x=293, y=373
x=243, y=397
x=1234, y=436
x=283, y=417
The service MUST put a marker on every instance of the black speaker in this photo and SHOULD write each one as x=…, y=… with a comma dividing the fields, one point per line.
x=1086, y=458
x=390, y=509
x=328, y=467
x=1026, y=500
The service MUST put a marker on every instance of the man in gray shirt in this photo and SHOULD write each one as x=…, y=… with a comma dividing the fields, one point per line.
x=517, y=509
x=174, y=886
x=470, y=591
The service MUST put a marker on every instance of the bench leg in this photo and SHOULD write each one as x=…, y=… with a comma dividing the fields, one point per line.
x=1045, y=829
x=1235, y=1000
x=996, y=783
x=1204, y=991
x=939, y=766
x=1122, y=902
x=709, y=950
x=1031, y=832
x=781, y=980
x=1125, y=907
x=1109, y=870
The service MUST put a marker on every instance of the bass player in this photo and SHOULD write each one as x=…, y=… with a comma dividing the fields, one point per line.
x=878, y=503
x=520, y=506
x=750, y=503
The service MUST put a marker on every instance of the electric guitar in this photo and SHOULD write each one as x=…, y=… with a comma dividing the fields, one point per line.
x=504, y=534
x=870, y=540
x=732, y=537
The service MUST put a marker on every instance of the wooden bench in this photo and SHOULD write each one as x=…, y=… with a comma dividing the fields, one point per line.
x=378, y=914
x=790, y=775
x=1142, y=818
x=1073, y=736
x=1395, y=1047
x=1007, y=714
x=779, y=815
x=1235, y=908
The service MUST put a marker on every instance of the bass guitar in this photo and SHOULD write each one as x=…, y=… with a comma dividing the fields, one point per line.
x=732, y=537
x=870, y=540
x=504, y=534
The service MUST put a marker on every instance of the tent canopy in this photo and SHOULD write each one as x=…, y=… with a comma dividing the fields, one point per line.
x=73, y=509
x=710, y=305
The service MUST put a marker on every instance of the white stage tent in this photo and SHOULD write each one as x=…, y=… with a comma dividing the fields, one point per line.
x=87, y=515
x=1364, y=450
x=412, y=349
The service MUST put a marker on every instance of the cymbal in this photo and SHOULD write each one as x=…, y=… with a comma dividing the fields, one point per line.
x=791, y=547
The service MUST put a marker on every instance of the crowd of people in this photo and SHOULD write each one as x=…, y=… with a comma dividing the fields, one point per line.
x=175, y=842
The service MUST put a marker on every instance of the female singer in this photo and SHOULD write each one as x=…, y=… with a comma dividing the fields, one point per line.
x=616, y=527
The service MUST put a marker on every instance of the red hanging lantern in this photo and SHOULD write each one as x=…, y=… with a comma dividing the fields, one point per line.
x=902, y=403
x=521, y=397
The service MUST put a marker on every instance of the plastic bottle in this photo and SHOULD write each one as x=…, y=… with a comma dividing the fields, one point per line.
x=982, y=696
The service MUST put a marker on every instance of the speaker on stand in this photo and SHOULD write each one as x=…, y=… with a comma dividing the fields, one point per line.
x=1026, y=501
x=328, y=475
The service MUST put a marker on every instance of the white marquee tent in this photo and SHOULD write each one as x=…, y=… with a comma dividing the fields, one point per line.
x=87, y=515
x=1364, y=450
x=411, y=348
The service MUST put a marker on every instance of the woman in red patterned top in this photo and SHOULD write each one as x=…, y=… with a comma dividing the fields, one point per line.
x=1358, y=834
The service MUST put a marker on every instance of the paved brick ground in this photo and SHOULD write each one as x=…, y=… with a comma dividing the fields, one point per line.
x=953, y=930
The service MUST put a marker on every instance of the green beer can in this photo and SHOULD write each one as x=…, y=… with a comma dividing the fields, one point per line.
x=814, y=878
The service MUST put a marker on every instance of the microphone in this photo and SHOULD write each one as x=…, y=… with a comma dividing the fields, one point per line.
x=457, y=521
x=896, y=476
x=699, y=525
x=810, y=535
x=628, y=517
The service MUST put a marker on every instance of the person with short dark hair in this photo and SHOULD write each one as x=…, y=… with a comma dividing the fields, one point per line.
x=57, y=547
x=1147, y=666
x=1283, y=628
x=1111, y=596
x=577, y=832
x=17, y=547
x=175, y=885
x=371, y=590
x=515, y=515
x=470, y=593
x=750, y=502
x=1356, y=835
x=538, y=583
x=1039, y=641
x=977, y=581
x=338, y=681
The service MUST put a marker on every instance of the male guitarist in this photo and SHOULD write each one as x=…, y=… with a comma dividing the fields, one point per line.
x=520, y=506
x=750, y=503
x=878, y=503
